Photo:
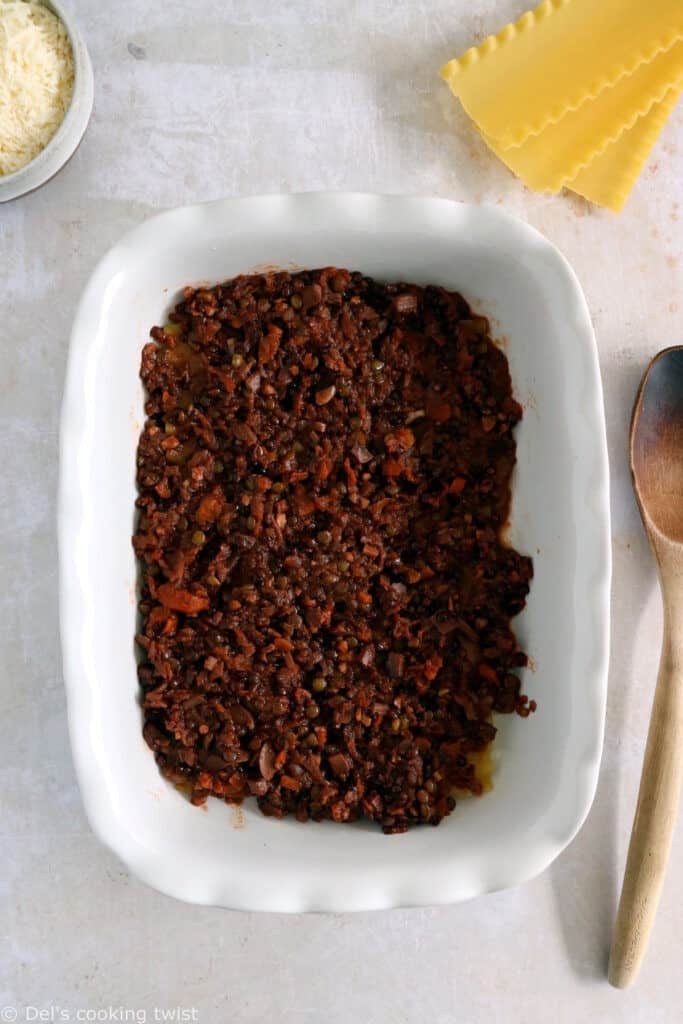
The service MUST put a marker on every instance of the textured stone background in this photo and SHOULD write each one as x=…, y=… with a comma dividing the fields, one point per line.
x=232, y=97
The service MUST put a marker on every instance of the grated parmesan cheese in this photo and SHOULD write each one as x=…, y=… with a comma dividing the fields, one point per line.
x=36, y=80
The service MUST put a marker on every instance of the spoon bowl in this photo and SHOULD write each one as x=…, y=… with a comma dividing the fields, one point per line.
x=657, y=444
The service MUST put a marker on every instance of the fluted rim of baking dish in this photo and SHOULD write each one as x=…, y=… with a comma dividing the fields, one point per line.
x=593, y=568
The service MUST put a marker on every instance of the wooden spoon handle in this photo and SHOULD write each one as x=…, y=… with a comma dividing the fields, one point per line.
x=653, y=826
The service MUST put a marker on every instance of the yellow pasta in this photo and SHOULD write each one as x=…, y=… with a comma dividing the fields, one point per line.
x=609, y=178
x=555, y=58
x=549, y=160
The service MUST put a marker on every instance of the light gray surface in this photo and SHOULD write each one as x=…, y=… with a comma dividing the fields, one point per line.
x=201, y=100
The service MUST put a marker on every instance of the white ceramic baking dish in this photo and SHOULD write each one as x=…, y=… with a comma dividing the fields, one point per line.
x=547, y=765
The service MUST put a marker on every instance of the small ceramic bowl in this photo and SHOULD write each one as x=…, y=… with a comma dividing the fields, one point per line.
x=64, y=142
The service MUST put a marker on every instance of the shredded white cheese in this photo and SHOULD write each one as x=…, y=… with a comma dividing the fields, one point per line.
x=36, y=80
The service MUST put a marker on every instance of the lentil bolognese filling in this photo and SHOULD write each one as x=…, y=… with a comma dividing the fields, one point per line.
x=324, y=475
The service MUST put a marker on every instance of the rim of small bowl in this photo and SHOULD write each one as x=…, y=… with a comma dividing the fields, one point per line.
x=63, y=144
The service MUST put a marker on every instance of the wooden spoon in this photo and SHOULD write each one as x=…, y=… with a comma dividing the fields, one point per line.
x=657, y=469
